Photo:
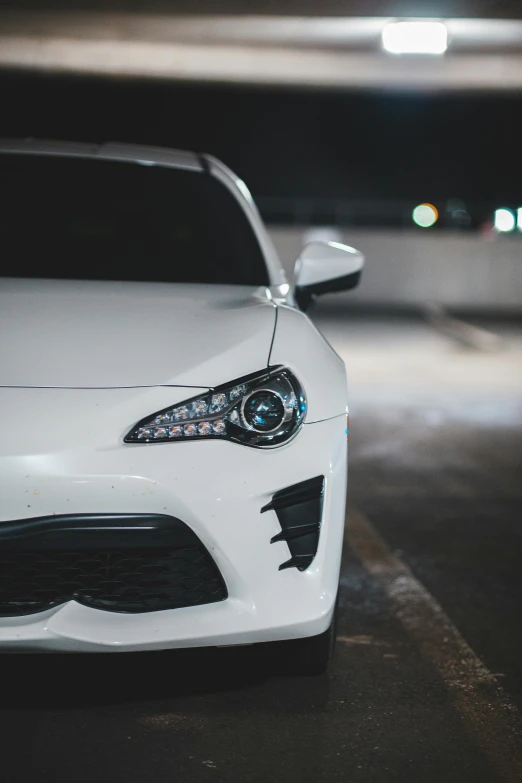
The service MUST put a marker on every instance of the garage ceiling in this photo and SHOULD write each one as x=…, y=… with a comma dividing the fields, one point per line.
x=282, y=50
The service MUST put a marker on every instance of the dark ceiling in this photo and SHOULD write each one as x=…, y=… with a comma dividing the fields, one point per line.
x=499, y=9
x=288, y=143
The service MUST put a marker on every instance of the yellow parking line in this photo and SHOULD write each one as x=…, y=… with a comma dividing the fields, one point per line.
x=482, y=702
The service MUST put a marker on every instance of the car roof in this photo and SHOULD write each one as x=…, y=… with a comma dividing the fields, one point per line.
x=109, y=151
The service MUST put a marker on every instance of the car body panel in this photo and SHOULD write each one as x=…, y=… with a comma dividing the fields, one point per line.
x=82, y=362
x=299, y=345
x=107, y=334
x=109, y=151
x=218, y=488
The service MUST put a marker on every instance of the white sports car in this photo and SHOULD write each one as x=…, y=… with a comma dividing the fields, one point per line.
x=173, y=454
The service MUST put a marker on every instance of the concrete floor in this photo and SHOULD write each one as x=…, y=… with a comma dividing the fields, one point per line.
x=436, y=472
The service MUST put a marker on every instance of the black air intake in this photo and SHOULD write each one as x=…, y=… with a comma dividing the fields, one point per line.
x=117, y=562
x=299, y=509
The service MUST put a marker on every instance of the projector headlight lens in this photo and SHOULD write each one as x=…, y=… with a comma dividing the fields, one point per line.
x=263, y=410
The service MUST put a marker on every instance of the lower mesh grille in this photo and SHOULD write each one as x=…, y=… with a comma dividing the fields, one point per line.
x=119, y=580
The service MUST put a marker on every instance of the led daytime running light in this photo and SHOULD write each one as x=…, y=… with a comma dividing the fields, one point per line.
x=265, y=409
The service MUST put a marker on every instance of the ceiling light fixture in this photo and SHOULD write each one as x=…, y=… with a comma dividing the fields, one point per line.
x=415, y=38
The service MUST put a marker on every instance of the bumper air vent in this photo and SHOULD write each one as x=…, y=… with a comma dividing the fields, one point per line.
x=119, y=563
x=299, y=509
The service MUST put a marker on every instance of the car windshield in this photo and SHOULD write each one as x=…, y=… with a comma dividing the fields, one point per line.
x=94, y=219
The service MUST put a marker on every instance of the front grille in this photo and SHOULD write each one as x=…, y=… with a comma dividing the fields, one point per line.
x=118, y=581
x=148, y=563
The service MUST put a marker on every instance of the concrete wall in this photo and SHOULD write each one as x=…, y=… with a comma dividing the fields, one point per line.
x=408, y=268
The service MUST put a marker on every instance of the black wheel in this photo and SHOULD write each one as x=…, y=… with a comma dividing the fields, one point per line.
x=310, y=656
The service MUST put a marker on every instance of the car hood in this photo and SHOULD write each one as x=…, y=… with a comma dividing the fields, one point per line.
x=107, y=334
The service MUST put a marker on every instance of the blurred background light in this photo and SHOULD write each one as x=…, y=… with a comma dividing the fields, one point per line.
x=425, y=215
x=415, y=38
x=519, y=218
x=504, y=220
x=457, y=215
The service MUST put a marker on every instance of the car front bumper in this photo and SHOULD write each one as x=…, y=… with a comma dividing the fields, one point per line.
x=217, y=489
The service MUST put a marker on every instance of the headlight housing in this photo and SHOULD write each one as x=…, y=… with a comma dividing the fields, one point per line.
x=265, y=409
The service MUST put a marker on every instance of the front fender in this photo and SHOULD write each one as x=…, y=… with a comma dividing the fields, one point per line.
x=301, y=347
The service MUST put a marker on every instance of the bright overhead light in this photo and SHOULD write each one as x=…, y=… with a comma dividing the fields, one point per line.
x=504, y=220
x=415, y=38
x=519, y=218
x=425, y=215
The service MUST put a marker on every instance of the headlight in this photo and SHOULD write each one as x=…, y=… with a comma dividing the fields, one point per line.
x=265, y=409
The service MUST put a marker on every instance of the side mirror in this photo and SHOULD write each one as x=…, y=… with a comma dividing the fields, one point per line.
x=324, y=267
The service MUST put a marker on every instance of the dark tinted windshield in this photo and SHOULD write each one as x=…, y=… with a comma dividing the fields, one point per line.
x=92, y=219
